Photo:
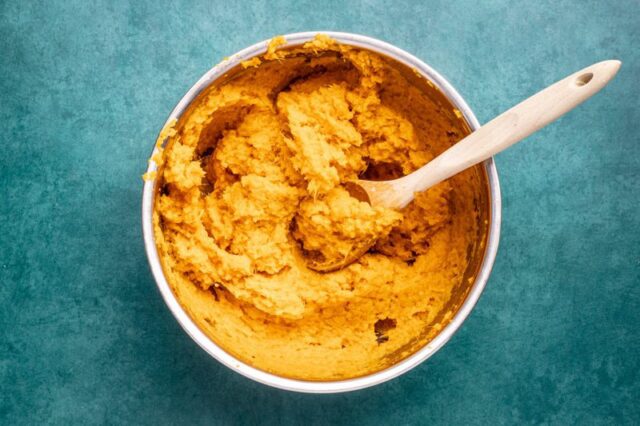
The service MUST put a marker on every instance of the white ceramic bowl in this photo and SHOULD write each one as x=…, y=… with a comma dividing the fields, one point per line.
x=406, y=364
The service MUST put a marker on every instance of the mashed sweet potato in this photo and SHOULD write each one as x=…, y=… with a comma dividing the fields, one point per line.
x=251, y=186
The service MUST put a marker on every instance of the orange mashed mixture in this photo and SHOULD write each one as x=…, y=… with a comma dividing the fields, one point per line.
x=250, y=186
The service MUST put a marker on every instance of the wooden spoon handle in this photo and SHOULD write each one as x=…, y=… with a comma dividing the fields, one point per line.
x=515, y=124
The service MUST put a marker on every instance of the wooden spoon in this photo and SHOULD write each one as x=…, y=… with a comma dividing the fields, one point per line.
x=497, y=135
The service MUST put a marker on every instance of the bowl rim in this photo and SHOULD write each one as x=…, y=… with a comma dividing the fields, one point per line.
x=404, y=365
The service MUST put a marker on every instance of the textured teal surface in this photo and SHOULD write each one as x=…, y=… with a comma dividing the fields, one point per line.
x=84, y=334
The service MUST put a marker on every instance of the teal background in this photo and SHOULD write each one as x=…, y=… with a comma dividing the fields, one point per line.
x=84, y=334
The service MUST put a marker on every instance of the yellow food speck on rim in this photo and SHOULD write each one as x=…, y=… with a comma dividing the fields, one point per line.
x=272, y=48
x=149, y=176
x=253, y=62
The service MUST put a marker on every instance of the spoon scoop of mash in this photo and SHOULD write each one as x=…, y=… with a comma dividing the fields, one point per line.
x=497, y=135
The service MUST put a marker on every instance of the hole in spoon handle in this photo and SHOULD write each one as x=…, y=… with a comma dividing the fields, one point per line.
x=584, y=79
